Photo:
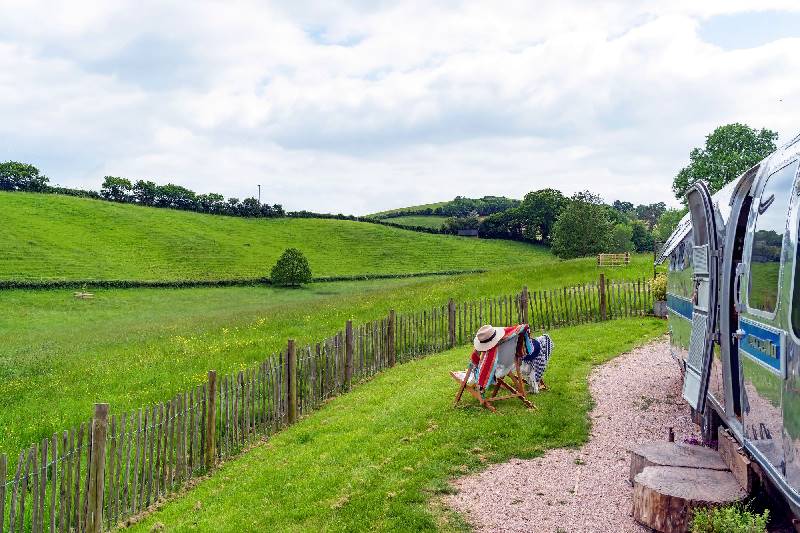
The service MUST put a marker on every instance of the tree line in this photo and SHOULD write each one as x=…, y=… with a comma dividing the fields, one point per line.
x=16, y=176
x=574, y=226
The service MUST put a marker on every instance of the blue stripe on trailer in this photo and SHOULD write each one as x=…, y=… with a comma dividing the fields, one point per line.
x=679, y=305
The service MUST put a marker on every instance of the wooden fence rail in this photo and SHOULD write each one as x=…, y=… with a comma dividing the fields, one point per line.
x=100, y=473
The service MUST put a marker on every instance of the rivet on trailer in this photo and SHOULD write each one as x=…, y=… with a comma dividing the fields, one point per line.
x=733, y=297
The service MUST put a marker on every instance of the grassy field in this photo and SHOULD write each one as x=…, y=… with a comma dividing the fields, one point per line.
x=424, y=221
x=387, y=472
x=129, y=347
x=60, y=237
x=409, y=208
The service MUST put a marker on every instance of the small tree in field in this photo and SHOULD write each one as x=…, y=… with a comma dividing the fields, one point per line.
x=292, y=269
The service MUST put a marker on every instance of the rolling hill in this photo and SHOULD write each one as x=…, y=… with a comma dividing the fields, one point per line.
x=61, y=237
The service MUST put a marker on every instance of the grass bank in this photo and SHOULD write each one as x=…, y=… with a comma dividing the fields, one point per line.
x=377, y=458
x=46, y=236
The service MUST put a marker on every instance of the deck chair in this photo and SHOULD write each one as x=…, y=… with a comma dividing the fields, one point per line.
x=507, y=368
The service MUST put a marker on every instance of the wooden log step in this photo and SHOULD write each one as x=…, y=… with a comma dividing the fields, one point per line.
x=663, y=453
x=664, y=496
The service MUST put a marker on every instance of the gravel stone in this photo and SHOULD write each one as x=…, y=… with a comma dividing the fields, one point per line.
x=637, y=396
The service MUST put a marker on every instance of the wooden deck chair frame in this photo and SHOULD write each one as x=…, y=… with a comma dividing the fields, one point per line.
x=516, y=389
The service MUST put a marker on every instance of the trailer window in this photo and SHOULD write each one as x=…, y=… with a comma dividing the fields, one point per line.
x=765, y=254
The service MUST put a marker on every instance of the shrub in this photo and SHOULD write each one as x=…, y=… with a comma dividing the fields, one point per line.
x=620, y=239
x=659, y=287
x=729, y=519
x=292, y=269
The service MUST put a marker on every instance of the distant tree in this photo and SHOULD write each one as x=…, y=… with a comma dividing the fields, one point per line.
x=211, y=203
x=667, y=223
x=144, y=192
x=538, y=213
x=15, y=176
x=249, y=208
x=641, y=236
x=728, y=152
x=291, y=270
x=621, y=238
x=116, y=189
x=623, y=207
x=503, y=225
x=582, y=228
x=470, y=221
x=615, y=216
x=649, y=213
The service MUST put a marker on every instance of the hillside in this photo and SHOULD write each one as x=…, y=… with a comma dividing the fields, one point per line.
x=61, y=237
x=430, y=221
x=411, y=208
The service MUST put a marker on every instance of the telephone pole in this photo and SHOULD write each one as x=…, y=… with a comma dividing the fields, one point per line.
x=259, y=194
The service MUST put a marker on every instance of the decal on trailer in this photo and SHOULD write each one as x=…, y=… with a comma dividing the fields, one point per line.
x=763, y=344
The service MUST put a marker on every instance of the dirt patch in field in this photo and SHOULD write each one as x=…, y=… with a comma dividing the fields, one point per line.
x=637, y=396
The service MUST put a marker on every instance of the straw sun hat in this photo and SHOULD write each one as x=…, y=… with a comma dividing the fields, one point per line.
x=487, y=337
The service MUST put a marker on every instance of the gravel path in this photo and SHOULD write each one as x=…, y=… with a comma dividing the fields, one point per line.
x=637, y=396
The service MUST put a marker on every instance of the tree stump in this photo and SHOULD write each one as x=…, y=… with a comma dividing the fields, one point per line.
x=664, y=496
x=663, y=453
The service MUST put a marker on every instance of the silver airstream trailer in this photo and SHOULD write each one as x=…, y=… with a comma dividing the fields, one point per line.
x=733, y=297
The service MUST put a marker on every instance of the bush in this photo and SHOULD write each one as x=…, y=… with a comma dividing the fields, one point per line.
x=729, y=519
x=292, y=269
x=659, y=287
x=621, y=238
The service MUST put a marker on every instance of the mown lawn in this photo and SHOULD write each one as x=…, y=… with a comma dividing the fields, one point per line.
x=59, y=355
x=378, y=458
x=45, y=236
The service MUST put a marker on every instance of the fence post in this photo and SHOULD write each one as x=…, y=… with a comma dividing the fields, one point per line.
x=94, y=508
x=602, y=296
x=291, y=387
x=524, y=304
x=348, y=357
x=211, y=420
x=390, y=339
x=451, y=323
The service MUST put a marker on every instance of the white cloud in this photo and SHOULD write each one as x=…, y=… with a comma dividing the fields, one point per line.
x=369, y=106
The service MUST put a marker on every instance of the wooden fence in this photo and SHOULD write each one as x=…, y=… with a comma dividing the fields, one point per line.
x=108, y=469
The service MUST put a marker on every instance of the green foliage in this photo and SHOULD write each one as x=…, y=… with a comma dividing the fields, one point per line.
x=538, y=213
x=64, y=238
x=15, y=176
x=642, y=237
x=292, y=269
x=582, y=229
x=377, y=457
x=659, y=287
x=620, y=239
x=116, y=189
x=650, y=213
x=729, y=151
x=729, y=519
x=470, y=221
x=667, y=223
x=505, y=225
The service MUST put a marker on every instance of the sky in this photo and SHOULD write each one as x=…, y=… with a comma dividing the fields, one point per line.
x=361, y=106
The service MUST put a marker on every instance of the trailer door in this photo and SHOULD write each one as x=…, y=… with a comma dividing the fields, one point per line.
x=705, y=259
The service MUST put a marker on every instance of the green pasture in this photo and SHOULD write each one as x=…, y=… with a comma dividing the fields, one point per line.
x=389, y=471
x=44, y=236
x=409, y=208
x=423, y=221
x=130, y=347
